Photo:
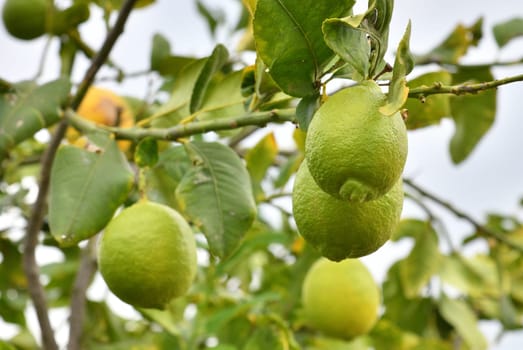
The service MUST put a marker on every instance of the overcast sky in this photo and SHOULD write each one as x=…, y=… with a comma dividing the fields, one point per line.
x=491, y=179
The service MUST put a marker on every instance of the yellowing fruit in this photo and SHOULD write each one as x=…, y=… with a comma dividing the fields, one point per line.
x=340, y=299
x=147, y=255
x=354, y=152
x=341, y=229
x=104, y=107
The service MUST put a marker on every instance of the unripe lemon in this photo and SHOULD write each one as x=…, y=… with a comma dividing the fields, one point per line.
x=147, y=255
x=25, y=19
x=340, y=299
x=104, y=107
x=355, y=152
x=341, y=229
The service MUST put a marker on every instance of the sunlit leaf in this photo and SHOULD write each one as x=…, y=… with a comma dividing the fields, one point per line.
x=472, y=114
x=216, y=195
x=290, y=41
x=505, y=31
x=398, y=90
x=386, y=335
x=459, y=314
x=86, y=189
x=433, y=107
x=259, y=158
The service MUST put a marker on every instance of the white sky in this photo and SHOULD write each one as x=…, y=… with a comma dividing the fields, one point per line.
x=491, y=179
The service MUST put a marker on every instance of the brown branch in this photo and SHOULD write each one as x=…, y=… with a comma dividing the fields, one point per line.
x=83, y=279
x=462, y=215
x=461, y=89
x=31, y=268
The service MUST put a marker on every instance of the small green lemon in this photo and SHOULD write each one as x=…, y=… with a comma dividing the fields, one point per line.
x=341, y=229
x=147, y=255
x=25, y=19
x=340, y=299
x=354, y=152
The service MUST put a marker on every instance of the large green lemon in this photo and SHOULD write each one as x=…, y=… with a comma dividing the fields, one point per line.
x=341, y=229
x=25, y=19
x=147, y=255
x=355, y=152
x=340, y=299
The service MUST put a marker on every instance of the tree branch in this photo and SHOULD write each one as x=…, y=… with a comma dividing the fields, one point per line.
x=461, y=89
x=83, y=280
x=183, y=130
x=462, y=215
x=31, y=268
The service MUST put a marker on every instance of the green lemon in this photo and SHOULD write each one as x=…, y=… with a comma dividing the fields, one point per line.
x=354, y=152
x=25, y=19
x=341, y=229
x=340, y=299
x=147, y=255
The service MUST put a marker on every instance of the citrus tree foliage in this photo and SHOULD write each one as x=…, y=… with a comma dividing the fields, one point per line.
x=192, y=151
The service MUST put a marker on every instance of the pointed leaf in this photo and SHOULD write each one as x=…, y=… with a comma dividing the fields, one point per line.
x=506, y=31
x=472, y=114
x=403, y=65
x=216, y=195
x=146, y=152
x=161, y=59
x=350, y=43
x=306, y=109
x=459, y=314
x=290, y=41
x=434, y=107
x=261, y=156
x=86, y=189
x=418, y=267
x=455, y=45
x=29, y=110
x=212, y=65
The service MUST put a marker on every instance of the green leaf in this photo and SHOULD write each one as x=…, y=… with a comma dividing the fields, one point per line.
x=216, y=195
x=504, y=32
x=177, y=108
x=434, y=107
x=306, y=109
x=259, y=158
x=290, y=41
x=223, y=98
x=403, y=65
x=212, y=17
x=411, y=315
x=459, y=314
x=30, y=109
x=476, y=276
x=386, y=335
x=350, y=43
x=288, y=169
x=161, y=59
x=212, y=65
x=418, y=267
x=162, y=179
x=455, y=45
x=267, y=337
x=146, y=152
x=409, y=228
x=472, y=114
x=86, y=189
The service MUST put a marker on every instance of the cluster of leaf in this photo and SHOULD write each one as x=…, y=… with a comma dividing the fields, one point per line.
x=235, y=192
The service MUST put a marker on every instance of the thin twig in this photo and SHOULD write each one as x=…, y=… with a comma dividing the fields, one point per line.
x=31, y=268
x=462, y=215
x=461, y=89
x=83, y=279
x=183, y=130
